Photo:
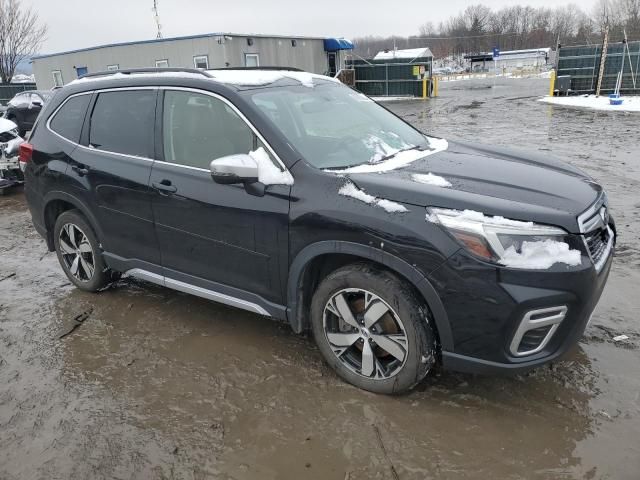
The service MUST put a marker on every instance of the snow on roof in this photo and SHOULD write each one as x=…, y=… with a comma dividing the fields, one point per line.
x=410, y=54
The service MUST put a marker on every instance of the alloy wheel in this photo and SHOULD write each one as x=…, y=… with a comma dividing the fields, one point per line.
x=77, y=253
x=365, y=333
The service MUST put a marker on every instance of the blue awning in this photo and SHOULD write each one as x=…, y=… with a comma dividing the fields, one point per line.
x=335, y=44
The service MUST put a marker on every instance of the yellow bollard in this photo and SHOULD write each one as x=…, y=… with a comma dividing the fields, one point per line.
x=424, y=88
x=552, y=85
x=435, y=86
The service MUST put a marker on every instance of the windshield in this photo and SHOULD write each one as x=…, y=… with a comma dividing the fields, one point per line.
x=334, y=126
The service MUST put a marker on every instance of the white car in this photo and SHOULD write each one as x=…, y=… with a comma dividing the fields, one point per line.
x=10, y=141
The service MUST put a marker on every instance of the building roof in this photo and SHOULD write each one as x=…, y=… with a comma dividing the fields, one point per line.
x=407, y=54
x=171, y=39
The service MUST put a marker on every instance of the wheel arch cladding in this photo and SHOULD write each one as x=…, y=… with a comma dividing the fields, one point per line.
x=339, y=253
x=55, y=203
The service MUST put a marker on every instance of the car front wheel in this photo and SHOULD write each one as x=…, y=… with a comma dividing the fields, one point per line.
x=372, y=329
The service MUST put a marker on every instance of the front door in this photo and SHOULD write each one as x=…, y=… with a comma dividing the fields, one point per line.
x=333, y=63
x=213, y=236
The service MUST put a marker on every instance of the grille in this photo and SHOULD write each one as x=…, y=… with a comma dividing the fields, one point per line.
x=597, y=242
x=532, y=339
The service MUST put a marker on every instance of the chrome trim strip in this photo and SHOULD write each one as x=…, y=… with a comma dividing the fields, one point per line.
x=591, y=213
x=197, y=291
x=555, y=316
x=605, y=255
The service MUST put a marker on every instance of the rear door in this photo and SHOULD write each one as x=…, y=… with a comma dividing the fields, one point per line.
x=111, y=169
x=211, y=235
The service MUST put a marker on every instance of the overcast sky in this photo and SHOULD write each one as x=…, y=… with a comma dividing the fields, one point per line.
x=86, y=23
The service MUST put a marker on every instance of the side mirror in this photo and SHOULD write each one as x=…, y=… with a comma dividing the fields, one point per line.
x=234, y=169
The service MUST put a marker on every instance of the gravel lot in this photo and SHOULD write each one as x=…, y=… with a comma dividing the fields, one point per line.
x=157, y=384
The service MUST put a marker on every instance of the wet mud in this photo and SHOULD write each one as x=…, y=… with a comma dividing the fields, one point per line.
x=139, y=381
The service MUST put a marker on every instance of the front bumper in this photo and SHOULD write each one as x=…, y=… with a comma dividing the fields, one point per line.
x=486, y=305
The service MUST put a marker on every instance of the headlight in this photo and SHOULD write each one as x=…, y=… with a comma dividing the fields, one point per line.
x=497, y=239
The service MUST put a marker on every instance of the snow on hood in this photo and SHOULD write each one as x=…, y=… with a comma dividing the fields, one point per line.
x=430, y=179
x=350, y=190
x=541, y=255
x=248, y=78
x=399, y=160
x=6, y=125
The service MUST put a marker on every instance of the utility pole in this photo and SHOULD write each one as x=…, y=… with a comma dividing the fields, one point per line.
x=156, y=17
x=603, y=58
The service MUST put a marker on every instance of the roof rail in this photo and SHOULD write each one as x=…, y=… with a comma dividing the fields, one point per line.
x=286, y=69
x=129, y=71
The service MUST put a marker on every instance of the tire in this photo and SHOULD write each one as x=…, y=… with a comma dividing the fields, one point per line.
x=402, y=327
x=80, y=253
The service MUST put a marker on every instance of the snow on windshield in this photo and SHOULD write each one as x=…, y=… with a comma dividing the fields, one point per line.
x=400, y=159
x=541, y=255
x=350, y=190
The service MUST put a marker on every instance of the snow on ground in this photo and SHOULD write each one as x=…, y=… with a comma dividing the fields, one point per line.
x=268, y=173
x=629, y=104
x=350, y=190
x=431, y=179
x=541, y=255
x=401, y=159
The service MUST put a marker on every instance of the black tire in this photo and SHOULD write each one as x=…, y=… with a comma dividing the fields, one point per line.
x=100, y=277
x=390, y=291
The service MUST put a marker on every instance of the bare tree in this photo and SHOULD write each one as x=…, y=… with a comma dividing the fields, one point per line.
x=21, y=35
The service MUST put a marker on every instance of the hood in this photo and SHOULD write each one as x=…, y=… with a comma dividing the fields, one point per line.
x=6, y=125
x=494, y=181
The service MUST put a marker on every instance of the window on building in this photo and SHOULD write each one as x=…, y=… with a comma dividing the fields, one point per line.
x=294, y=43
x=122, y=122
x=251, y=60
x=162, y=63
x=68, y=121
x=250, y=41
x=199, y=128
x=80, y=71
x=201, y=61
x=113, y=68
x=57, y=78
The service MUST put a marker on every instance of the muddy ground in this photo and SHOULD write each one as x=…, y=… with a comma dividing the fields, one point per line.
x=157, y=384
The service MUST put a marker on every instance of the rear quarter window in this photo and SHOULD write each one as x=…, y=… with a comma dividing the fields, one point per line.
x=123, y=122
x=67, y=122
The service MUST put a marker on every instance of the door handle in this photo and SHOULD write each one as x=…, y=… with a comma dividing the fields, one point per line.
x=165, y=187
x=81, y=170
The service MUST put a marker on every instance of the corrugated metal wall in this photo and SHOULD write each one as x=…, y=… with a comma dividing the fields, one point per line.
x=582, y=63
x=390, y=78
x=308, y=54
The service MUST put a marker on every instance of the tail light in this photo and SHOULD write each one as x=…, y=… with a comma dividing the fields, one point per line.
x=26, y=152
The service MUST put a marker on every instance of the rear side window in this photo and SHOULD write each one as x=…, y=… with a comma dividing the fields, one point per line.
x=123, y=122
x=68, y=121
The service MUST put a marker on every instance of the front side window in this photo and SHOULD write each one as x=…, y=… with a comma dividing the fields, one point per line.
x=251, y=60
x=201, y=61
x=200, y=128
x=57, y=78
x=335, y=127
x=67, y=122
x=123, y=122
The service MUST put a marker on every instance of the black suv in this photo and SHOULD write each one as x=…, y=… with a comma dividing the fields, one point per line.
x=293, y=196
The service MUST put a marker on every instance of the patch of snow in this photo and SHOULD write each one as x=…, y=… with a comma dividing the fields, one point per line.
x=401, y=159
x=6, y=125
x=409, y=53
x=431, y=179
x=350, y=190
x=478, y=217
x=249, y=78
x=541, y=255
x=120, y=75
x=620, y=338
x=629, y=104
x=268, y=173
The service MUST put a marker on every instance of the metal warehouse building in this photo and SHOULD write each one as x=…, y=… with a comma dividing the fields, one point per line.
x=218, y=50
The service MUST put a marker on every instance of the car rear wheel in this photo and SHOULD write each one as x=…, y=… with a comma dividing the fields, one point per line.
x=79, y=252
x=372, y=329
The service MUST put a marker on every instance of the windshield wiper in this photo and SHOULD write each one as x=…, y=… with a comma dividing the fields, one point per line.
x=415, y=147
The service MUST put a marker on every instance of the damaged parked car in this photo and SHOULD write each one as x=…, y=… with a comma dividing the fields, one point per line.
x=292, y=196
x=10, y=173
